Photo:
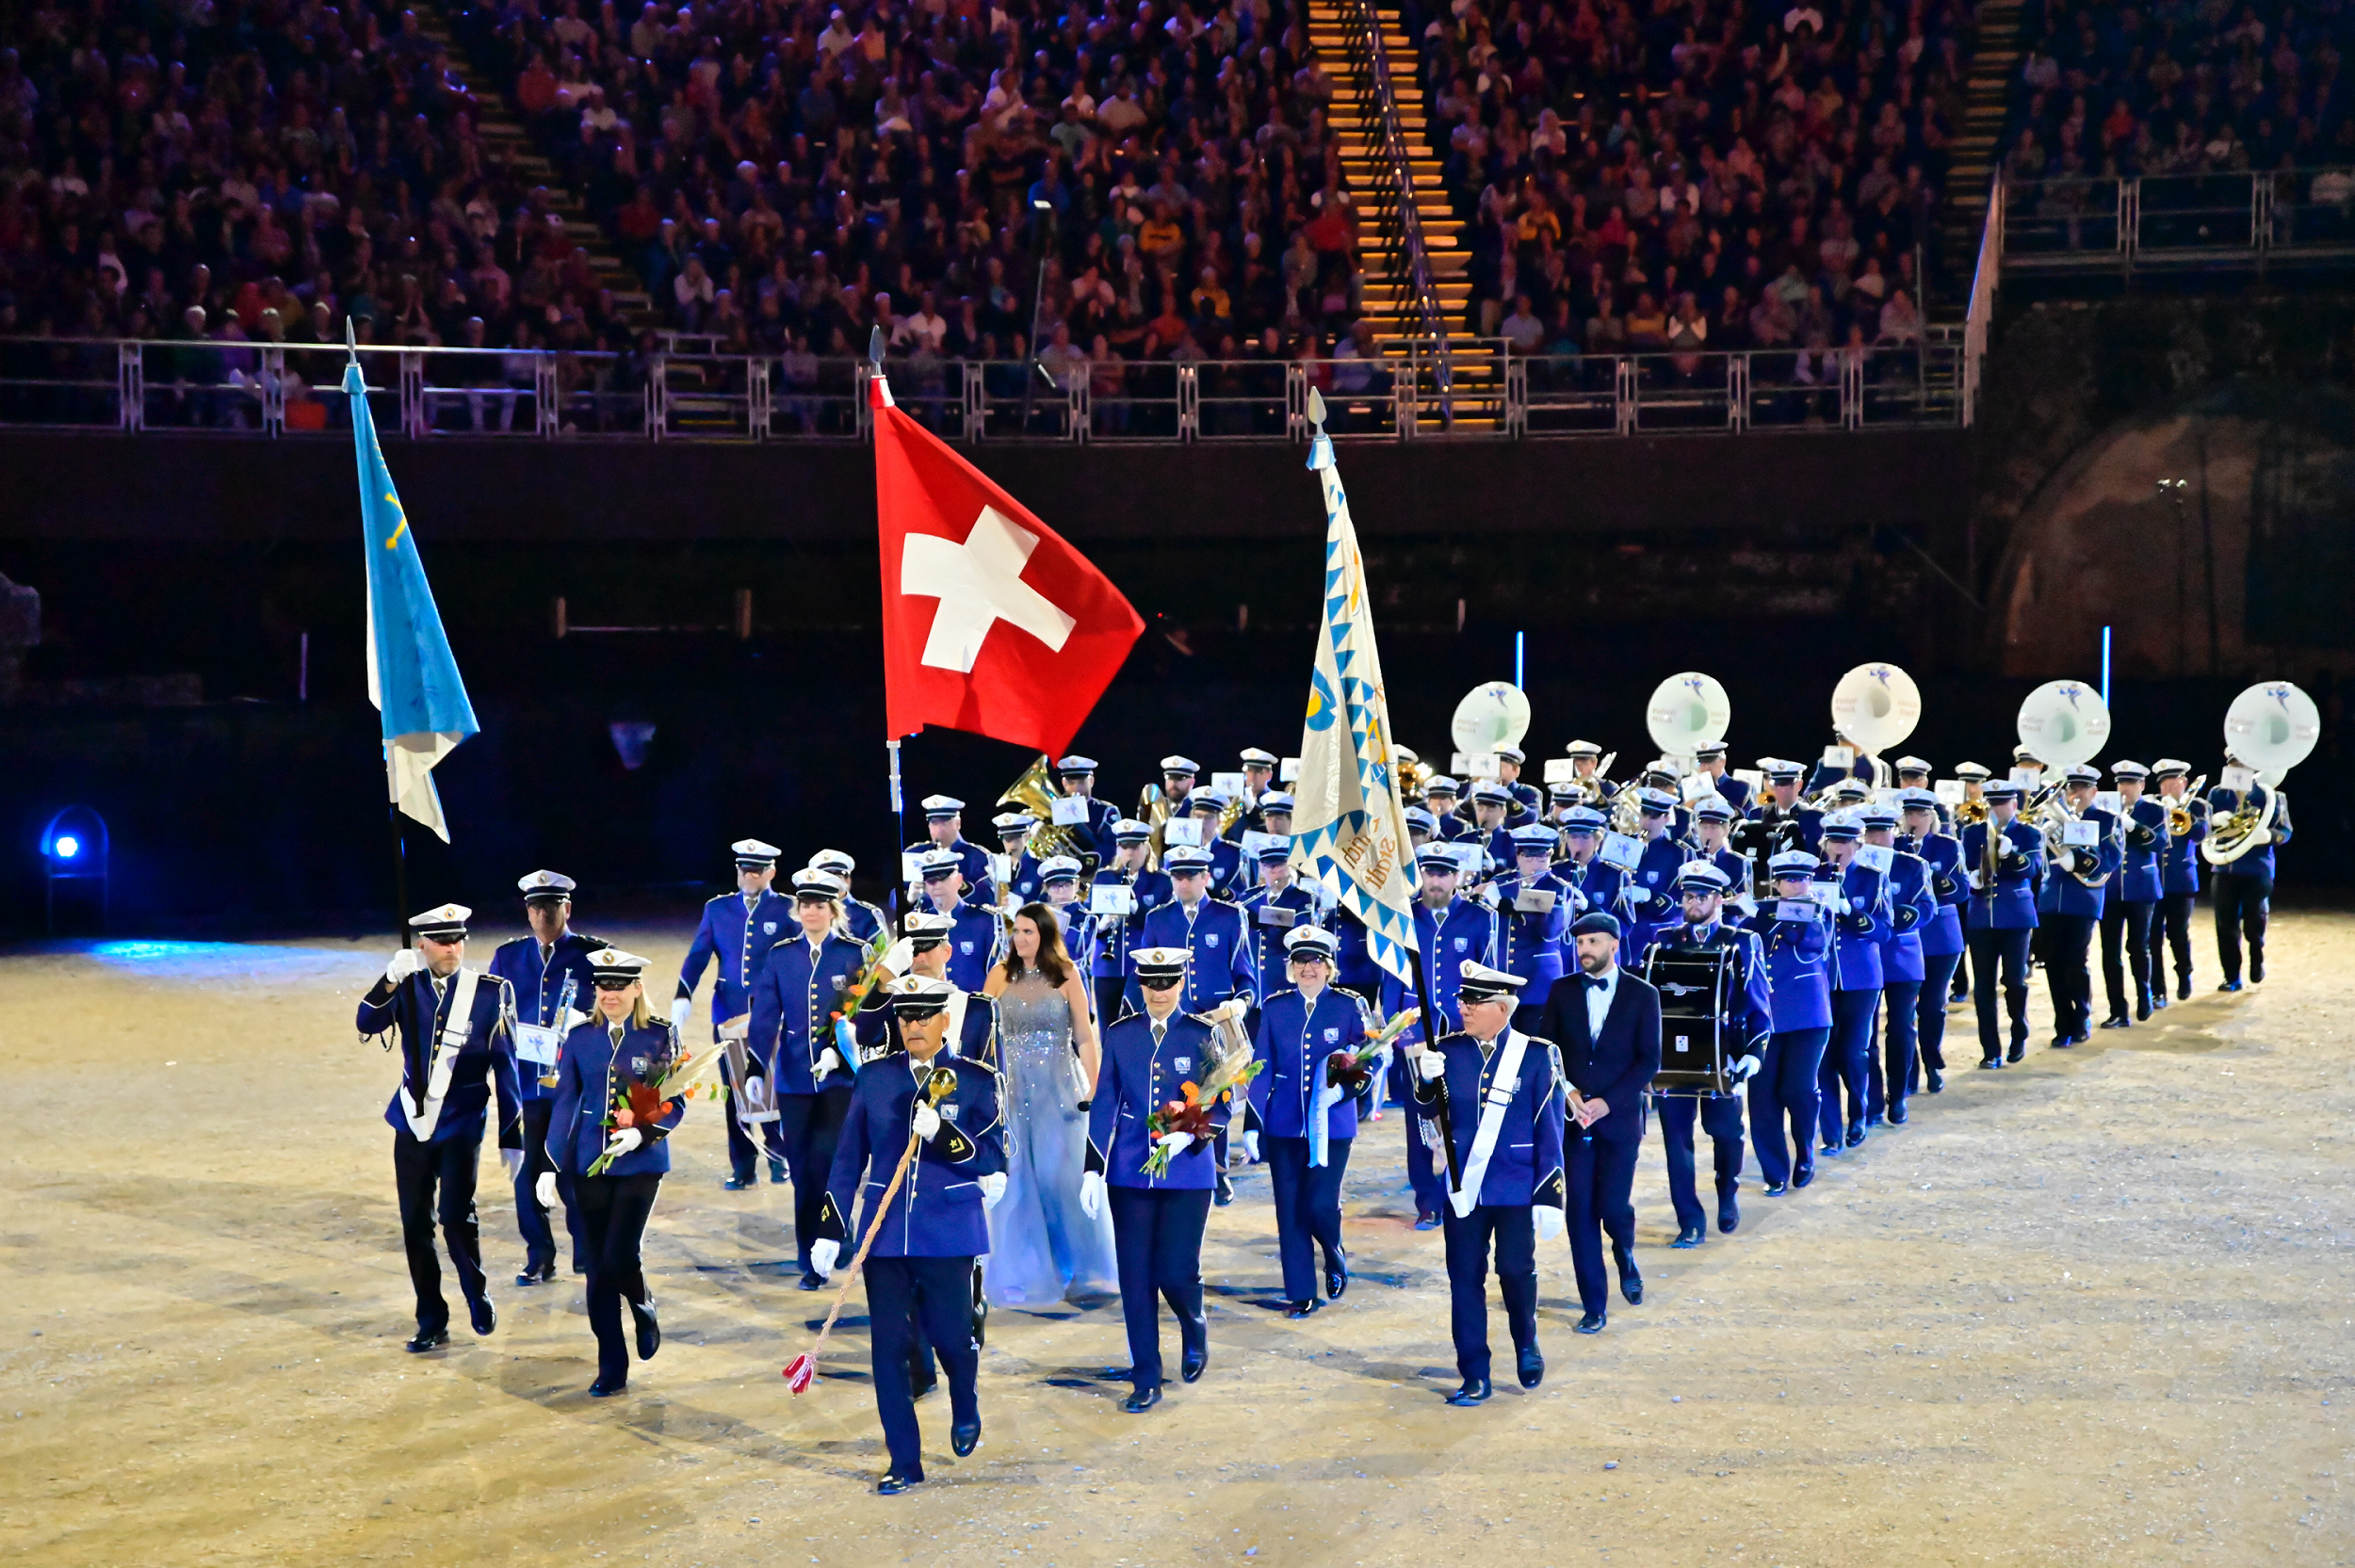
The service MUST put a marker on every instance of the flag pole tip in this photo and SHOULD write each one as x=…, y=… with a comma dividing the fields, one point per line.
x=352, y=340
x=875, y=346
x=1316, y=409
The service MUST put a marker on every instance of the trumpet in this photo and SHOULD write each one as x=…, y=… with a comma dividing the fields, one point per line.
x=2179, y=820
x=1970, y=812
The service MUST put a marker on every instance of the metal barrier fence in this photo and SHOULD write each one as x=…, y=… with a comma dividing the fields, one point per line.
x=290, y=391
x=2159, y=220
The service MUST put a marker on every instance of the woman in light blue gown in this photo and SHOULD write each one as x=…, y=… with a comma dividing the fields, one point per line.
x=1042, y=1246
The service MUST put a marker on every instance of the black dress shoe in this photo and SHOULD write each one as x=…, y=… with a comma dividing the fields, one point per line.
x=1776, y=1189
x=812, y=1280
x=1936, y=1082
x=1898, y=1115
x=1630, y=1283
x=2062, y=1042
x=2143, y=1012
x=1190, y=1364
x=1856, y=1135
x=1803, y=1175
x=1728, y=1214
x=2230, y=985
x=1529, y=1366
x=1829, y=1151
x=2119, y=1021
x=964, y=1437
x=2158, y=995
x=649, y=1328
x=1141, y=1401
x=2183, y=989
x=1302, y=1309
x=603, y=1390
x=1591, y=1323
x=1336, y=1277
x=736, y=1184
x=1874, y=1120
x=1474, y=1392
x=1990, y=1063
x=1691, y=1235
x=2081, y=1037
x=2019, y=1049
x=537, y=1273
x=2256, y=968
x=920, y=1384
x=483, y=1315
x=776, y=1173
x=894, y=1483
x=426, y=1339
x=1426, y=1221
x=1226, y=1193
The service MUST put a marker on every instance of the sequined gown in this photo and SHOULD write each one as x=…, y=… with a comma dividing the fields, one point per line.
x=1041, y=1246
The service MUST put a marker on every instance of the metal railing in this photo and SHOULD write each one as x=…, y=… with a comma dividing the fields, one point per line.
x=2177, y=221
x=289, y=390
x=1397, y=217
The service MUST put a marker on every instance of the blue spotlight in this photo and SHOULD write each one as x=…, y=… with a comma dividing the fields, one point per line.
x=74, y=851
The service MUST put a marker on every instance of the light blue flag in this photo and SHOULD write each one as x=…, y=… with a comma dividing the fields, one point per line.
x=413, y=680
x=1349, y=831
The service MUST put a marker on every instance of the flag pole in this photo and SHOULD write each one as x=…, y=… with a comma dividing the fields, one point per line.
x=392, y=808
x=891, y=742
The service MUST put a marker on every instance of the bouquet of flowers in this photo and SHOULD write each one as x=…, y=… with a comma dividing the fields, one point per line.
x=649, y=1100
x=1191, y=1115
x=863, y=991
x=1351, y=1071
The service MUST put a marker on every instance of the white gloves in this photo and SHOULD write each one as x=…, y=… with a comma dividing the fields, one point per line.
x=1429, y=1064
x=680, y=1008
x=1747, y=1069
x=993, y=1188
x=623, y=1141
x=822, y=1255
x=513, y=1160
x=1092, y=1194
x=403, y=965
x=544, y=1189
x=927, y=1119
x=1547, y=1219
x=1251, y=1147
x=830, y=1060
x=1177, y=1143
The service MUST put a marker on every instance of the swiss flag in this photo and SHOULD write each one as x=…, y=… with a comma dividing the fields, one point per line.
x=992, y=623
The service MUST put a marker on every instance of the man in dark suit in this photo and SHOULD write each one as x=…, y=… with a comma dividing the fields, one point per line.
x=1607, y=1025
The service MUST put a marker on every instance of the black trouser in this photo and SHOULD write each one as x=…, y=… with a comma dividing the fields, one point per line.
x=1929, y=1011
x=2242, y=904
x=1960, y=986
x=2069, y=940
x=2008, y=951
x=809, y=1127
x=1514, y=1234
x=1308, y=1208
x=1601, y=1175
x=435, y=1182
x=1721, y=1116
x=1157, y=1238
x=2171, y=921
x=530, y=1219
x=614, y=1212
x=2126, y=925
x=1898, y=1026
x=934, y=1297
x=744, y=1154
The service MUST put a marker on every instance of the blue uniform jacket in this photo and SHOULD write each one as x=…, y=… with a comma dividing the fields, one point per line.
x=1220, y=949
x=1911, y=909
x=2142, y=877
x=2182, y=862
x=1860, y=928
x=2066, y=892
x=1113, y=942
x=972, y=860
x=1266, y=931
x=590, y=1070
x=977, y=940
x=1137, y=1078
x=1597, y=886
x=1530, y=944
x=1097, y=837
x=2010, y=904
x=1735, y=793
x=1466, y=930
x=937, y=1211
x=542, y=991
x=1798, y=976
x=1942, y=936
x=1025, y=884
x=1753, y=1002
x=864, y=921
x=485, y=1063
x=1293, y=1039
x=1227, y=879
x=793, y=1007
x=1651, y=896
x=1618, y=1065
x=738, y=938
x=1525, y=1163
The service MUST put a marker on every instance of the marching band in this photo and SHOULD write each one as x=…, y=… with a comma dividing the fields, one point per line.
x=1689, y=944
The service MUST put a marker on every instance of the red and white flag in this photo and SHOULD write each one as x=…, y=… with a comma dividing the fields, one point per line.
x=992, y=623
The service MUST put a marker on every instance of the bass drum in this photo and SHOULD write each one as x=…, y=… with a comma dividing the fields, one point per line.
x=1696, y=984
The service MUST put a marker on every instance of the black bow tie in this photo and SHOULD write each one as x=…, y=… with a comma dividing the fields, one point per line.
x=1592, y=982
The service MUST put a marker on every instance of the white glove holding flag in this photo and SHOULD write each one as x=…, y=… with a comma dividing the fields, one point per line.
x=993, y=1188
x=403, y=963
x=544, y=1189
x=1429, y=1064
x=513, y=1160
x=1547, y=1219
x=1092, y=1194
x=623, y=1141
x=680, y=1008
x=927, y=1119
x=822, y=1255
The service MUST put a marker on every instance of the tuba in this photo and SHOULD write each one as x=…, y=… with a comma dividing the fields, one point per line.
x=1034, y=794
x=2062, y=724
x=1874, y=708
x=1972, y=812
x=2269, y=729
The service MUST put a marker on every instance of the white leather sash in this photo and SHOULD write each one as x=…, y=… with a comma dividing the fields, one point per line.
x=1492, y=1104
x=453, y=1040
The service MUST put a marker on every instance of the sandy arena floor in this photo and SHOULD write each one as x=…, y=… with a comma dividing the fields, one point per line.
x=2095, y=1309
